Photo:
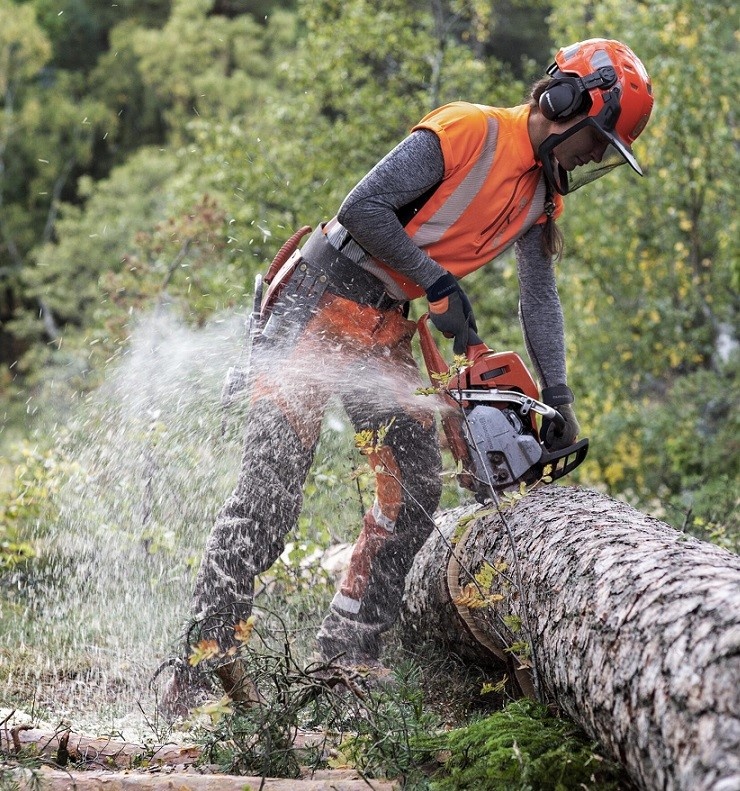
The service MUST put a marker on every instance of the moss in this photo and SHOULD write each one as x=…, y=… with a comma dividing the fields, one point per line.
x=524, y=748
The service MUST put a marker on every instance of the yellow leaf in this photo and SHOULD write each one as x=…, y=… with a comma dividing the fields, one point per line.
x=499, y=686
x=202, y=651
x=243, y=630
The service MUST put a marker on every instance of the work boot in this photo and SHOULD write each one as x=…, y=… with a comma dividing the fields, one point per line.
x=366, y=672
x=186, y=689
x=237, y=684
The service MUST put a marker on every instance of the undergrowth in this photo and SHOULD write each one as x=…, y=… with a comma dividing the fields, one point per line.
x=523, y=748
x=390, y=731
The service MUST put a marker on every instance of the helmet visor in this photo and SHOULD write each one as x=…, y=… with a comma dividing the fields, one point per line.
x=621, y=148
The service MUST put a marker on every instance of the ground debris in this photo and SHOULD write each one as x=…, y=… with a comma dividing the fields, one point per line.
x=132, y=766
x=58, y=780
x=108, y=753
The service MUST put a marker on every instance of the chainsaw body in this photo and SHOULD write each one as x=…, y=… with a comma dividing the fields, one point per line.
x=490, y=423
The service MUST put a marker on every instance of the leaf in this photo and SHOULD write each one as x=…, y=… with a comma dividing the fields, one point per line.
x=497, y=687
x=513, y=622
x=243, y=630
x=203, y=651
x=470, y=597
x=216, y=710
x=521, y=649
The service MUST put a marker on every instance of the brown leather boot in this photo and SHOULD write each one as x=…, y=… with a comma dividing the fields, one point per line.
x=237, y=684
x=186, y=689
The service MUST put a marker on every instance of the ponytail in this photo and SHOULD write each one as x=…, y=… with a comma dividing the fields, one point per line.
x=552, y=236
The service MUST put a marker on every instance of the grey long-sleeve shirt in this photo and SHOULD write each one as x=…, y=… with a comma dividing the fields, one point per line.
x=370, y=225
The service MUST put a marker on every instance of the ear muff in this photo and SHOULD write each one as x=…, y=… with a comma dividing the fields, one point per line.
x=563, y=99
x=567, y=96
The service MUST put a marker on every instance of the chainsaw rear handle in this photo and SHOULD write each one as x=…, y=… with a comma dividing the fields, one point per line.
x=556, y=418
x=436, y=364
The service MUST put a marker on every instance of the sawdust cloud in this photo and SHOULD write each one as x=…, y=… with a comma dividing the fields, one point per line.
x=155, y=455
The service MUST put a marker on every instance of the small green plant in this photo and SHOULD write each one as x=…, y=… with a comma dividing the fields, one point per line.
x=20, y=772
x=391, y=738
x=380, y=732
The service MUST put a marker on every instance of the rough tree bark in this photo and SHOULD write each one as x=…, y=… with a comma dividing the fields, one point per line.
x=635, y=627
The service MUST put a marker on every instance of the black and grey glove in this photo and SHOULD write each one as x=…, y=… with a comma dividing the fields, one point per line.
x=451, y=313
x=555, y=436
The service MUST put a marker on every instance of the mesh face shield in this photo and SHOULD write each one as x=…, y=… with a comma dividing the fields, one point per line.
x=616, y=153
x=585, y=174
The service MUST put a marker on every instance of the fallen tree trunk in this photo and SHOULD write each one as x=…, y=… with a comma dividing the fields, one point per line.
x=635, y=627
x=64, y=747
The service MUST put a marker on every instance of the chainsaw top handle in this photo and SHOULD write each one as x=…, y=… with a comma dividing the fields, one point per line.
x=476, y=346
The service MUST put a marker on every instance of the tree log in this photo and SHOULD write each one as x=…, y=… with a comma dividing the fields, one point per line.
x=56, y=780
x=155, y=768
x=635, y=627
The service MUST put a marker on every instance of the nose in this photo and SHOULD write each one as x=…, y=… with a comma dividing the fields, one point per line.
x=598, y=151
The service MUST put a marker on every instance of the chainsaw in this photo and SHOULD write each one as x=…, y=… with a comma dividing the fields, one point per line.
x=490, y=419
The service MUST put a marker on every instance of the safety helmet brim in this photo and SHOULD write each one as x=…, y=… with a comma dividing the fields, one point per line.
x=622, y=148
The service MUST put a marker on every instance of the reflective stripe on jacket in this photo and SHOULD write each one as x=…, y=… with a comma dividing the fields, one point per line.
x=492, y=192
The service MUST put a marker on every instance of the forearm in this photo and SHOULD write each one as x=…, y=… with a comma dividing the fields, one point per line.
x=540, y=311
x=370, y=211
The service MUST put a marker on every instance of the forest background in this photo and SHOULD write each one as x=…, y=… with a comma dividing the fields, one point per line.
x=154, y=155
x=150, y=146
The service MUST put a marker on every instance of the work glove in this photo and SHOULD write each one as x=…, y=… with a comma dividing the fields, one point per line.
x=451, y=313
x=556, y=437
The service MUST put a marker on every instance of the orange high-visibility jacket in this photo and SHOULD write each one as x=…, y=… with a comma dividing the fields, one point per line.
x=492, y=192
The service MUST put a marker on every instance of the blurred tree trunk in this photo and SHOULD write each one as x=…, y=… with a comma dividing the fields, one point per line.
x=635, y=626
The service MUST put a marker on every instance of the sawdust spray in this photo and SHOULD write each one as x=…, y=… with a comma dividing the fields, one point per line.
x=155, y=456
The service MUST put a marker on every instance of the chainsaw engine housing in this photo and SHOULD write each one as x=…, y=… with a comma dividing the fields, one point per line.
x=503, y=448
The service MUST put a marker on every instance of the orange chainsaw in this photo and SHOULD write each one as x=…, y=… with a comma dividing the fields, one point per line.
x=490, y=425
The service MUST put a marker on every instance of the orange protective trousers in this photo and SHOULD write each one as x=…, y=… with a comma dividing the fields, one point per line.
x=362, y=356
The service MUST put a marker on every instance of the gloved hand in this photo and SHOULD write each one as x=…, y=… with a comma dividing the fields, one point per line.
x=451, y=313
x=555, y=437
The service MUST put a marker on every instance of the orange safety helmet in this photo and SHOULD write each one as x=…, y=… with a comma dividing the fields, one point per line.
x=607, y=81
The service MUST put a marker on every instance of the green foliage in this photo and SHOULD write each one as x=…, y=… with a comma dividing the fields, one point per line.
x=684, y=449
x=522, y=748
x=23, y=768
x=381, y=732
x=37, y=477
x=393, y=740
x=117, y=81
x=75, y=30
x=650, y=273
x=214, y=67
x=391, y=732
x=49, y=129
